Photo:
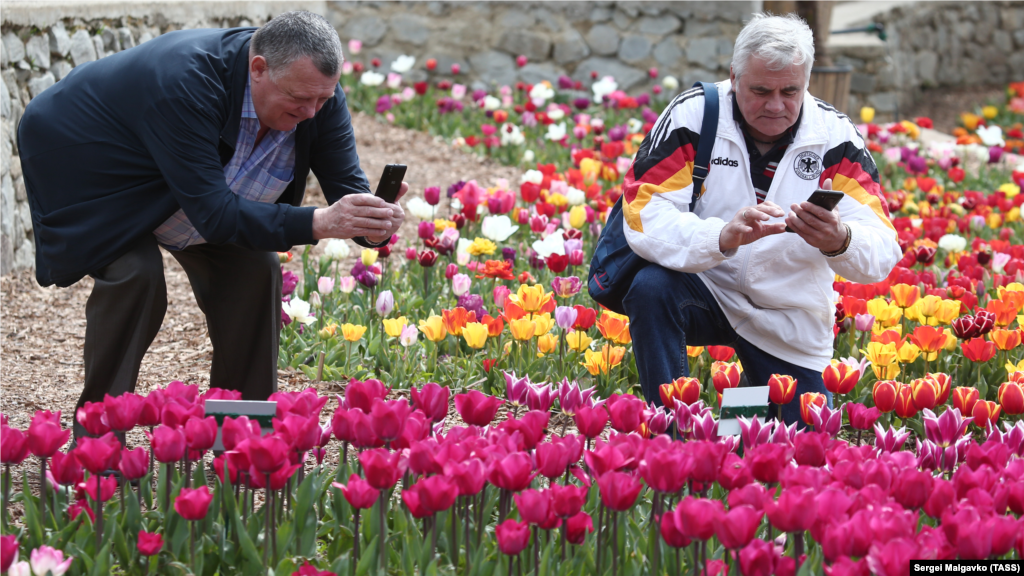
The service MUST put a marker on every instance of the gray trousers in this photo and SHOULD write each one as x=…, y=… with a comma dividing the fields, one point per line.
x=239, y=291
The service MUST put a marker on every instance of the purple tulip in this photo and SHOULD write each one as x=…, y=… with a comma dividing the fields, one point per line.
x=945, y=430
x=565, y=316
x=516, y=389
x=288, y=282
x=890, y=439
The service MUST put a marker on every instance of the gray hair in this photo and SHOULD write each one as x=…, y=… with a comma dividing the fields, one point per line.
x=781, y=41
x=295, y=35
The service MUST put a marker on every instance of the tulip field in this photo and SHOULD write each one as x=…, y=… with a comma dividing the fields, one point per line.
x=492, y=423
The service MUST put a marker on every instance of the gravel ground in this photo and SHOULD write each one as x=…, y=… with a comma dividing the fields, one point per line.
x=42, y=330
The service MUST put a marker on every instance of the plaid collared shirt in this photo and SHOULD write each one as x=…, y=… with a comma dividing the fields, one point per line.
x=258, y=173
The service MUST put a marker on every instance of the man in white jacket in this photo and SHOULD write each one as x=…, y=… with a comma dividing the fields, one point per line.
x=728, y=273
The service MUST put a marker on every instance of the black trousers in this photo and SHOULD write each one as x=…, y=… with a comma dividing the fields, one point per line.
x=239, y=291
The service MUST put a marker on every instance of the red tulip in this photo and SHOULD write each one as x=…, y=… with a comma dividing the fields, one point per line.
x=477, y=408
x=469, y=476
x=577, y=527
x=192, y=504
x=13, y=445
x=100, y=487
x=278, y=479
x=697, y=517
x=736, y=528
x=98, y=454
x=884, y=394
x=168, y=443
x=794, y=511
x=758, y=559
x=964, y=399
x=627, y=413
x=552, y=459
x=45, y=435
x=302, y=433
x=513, y=537
x=150, y=544
x=388, y=418
x=361, y=394
x=267, y=453
x=985, y=412
x=1011, y=398
x=534, y=505
x=234, y=430
x=767, y=461
x=200, y=433
x=122, y=411
x=437, y=493
x=65, y=469
x=134, y=463
x=782, y=388
x=591, y=421
x=514, y=472
x=359, y=493
x=666, y=471
x=671, y=531
x=432, y=399
x=381, y=468
x=8, y=551
x=92, y=417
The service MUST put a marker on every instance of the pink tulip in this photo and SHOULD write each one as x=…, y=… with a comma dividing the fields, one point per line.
x=534, y=505
x=168, y=443
x=122, y=411
x=627, y=413
x=98, y=454
x=302, y=433
x=432, y=399
x=381, y=468
x=698, y=517
x=794, y=511
x=200, y=433
x=469, y=476
x=234, y=430
x=47, y=560
x=737, y=527
x=267, y=453
x=13, y=445
x=92, y=417
x=359, y=493
x=514, y=472
x=361, y=394
x=513, y=537
x=476, y=408
x=134, y=463
x=192, y=504
x=100, y=487
x=65, y=469
x=150, y=544
x=152, y=407
x=45, y=435
x=8, y=551
x=437, y=493
x=278, y=478
x=591, y=421
x=619, y=490
x=388, y=418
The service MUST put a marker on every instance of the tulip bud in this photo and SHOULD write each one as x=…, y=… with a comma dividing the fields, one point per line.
x=385, y=303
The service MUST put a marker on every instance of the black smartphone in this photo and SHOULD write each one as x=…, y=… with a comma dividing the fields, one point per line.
x=390, y=182
x=827, y=199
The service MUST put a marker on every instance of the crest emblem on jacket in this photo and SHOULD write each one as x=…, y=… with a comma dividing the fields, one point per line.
x=807, y=165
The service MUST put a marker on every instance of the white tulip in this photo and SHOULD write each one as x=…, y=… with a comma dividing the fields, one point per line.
x=491, y=103
x=670, y=83
x=541, y=91
x=553, y=244
x=419, y=208
x=371, y=78
x=556, y=131
x=991, y=135
x=511, y=134
x=336, y=249
x=532, y=176
x=603, y=87
x=576, y=196
x=498, y=228
x=298, y=310
x=952, y=243
x=403, y=64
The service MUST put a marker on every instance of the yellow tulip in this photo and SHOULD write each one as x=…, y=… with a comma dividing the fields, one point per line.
x=951, y=341
x=989, y=112
x=543, y=323
x=929, y=305
x=909, y=352
x=948, y=311
x=531, y=298
x=994, y=220
x=578, y=340
x=440, y=224
x=481, y=246
x=547, y=343
x=353, y=332
x=475, y=334
x=970, y=121
x=578, y=216
x=1013, y=215
x=877, y=329
x=602, y=361
x=912, y=129
x=433, y=329
x=1010, y=189
x=915, y=314
x=885, y=312
x=523, y=328
x=369, y=256
x=557, y=200
x=393, y=326
x=867, y=114
x=1011, y=367
x=880, y=354
x=694, y=351
x=590, y=169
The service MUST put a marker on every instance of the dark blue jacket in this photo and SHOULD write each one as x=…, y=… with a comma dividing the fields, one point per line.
x=119, y=145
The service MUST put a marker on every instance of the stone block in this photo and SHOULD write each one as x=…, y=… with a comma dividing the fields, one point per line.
x=24, y=211
x=927, y=65
x=634, y=48
x=533, y=73
x=145, y=36
x=493, y=66
x=621, y=19
x=82, y=48
x=14, y=47
x=37, y=51
x=111, y=40
x=964, y=29
x=668, y=54
x=533, y=45
x=25, y=256
x=369, y=29
x=1002, y=40
x=37, y=85
x=410, y=28
x=659, y=26
x=626, y=76
x=15, y=167
x=7, y=206
x=696, y=29
x=603, y=40
x=703, y=51
x=3, y=54
x=683, y=10
x=1016, y=62
x=515, y=18
x=694, y=75
x=862, y=83
x=1018, y=38
x=547, y=19
x=60, y=69
x=629, y=9
x=60, y=42
x=5, y=101
x=6, y=255
x=570, y=47
x=124, y=35
x=600, y=14
x=97, y=44
x=885, y=102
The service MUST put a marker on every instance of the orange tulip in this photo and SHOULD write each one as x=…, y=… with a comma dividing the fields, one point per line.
x=614, y=327
x=964, y=399
x=1011, y=398
x=694, y=351
x=725, y=375
x=840, y=378
x=455, y=320
x=1005, y=339
x=884, y=395
x=1005, y=311
x=978, y=350
x=985, y=412
x=781, y=389
x=684, y=389
x=495, y=326
x=925, y=393
x=904, y=295
x=943, y=381
x=905, y=407
x=930, y=340
x=807, y=399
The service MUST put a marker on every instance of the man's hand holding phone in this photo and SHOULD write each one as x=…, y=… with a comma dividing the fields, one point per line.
x=819, y=227
x=372, y=217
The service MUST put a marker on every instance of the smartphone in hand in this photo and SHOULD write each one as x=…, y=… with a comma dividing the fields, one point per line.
x=827, y=199
x=390, y=182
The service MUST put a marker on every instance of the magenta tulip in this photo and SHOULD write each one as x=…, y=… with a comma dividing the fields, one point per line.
x=150, y=544
x=477, y=408
x=234, y=430
x=13, y=445
x=387, y=418
x=200, y=433
x=758, y=559
x=627, y=413
x=534, y=505
x=100, y=487
x=513, y=536
x=65, y=469
x=736, y=528
x=45, y=435
x=698, y=517
x=437, y=493
x=666, y=471
x=411, y=499
x=469, y=476
x=671, y=531
x=358, y=492
x=381, y=468
x=577, y=527
x=122, y=411
x=514, y=472
x=175, y=412
x=192, y=504
x=151, y=409
x=794, y=511
x=567, y=501
x=98, y=454
x=735, y=473
x=591, y=421
x=552, y=459
x=767, y=461
x=134, y=463
x=267, y=453
x=278, y=478
x=361, y=394
x=93, y=418
x=302, y=433
x=8, y=551
x=168, y=443
x=432, y=399
x=619, y=490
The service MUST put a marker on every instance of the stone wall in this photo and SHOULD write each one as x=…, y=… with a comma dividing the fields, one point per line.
x=40, y=42
x=936, y=45
x=690, y=40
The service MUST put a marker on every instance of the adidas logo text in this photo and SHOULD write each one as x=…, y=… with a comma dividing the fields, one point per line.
x=725, y=162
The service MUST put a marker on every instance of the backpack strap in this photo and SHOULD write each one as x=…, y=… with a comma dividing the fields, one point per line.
x=708, y=133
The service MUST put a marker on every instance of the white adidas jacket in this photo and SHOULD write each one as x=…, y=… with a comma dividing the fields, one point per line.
x=776, y=292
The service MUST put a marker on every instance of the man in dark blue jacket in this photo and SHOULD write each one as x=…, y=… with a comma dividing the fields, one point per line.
x=199, y=141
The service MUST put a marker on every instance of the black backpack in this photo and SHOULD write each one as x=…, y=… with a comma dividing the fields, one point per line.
x=615, y=264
